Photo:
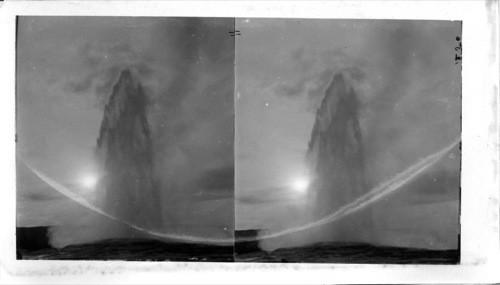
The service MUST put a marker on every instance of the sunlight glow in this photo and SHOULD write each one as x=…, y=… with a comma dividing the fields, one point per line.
x=300, y=184
x=89, y=181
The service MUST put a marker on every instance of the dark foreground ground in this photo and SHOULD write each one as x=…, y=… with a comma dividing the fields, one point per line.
x=352, y=253
x=32, y=243
x=148, y=250
x=134, y=250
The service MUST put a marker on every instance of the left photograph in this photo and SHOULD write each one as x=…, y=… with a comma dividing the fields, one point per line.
x=125, y=138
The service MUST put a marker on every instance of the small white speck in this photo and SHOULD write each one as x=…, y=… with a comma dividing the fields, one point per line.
x=267, y=104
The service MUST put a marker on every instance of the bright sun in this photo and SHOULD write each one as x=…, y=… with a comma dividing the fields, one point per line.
x=89, y=181
x=300, y=184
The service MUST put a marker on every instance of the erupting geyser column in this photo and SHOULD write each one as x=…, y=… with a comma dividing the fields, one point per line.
x=129, y=189
x=336, y=157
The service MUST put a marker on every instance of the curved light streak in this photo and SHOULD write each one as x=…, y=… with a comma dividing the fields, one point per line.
x=380, y=191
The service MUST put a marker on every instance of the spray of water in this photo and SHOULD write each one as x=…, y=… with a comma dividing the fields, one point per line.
x=84, y=202
x=377, y=193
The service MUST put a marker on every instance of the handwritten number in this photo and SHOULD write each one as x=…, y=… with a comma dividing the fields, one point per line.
x=458, y=48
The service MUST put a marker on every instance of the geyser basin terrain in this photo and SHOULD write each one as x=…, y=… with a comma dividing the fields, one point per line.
x=346, y=139
x=128, y=137
x=348, y=134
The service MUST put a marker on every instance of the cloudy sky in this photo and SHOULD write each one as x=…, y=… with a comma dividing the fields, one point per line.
x=66, y=68
x=406, y=78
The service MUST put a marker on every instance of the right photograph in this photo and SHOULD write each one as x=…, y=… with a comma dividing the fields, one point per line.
x=348, y=141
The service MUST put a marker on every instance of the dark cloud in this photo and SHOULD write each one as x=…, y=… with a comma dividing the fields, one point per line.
x=248, y=199
x=41, y=196
x=319, y=84
x=293, y=89
x=143, y=69
x=101, y=63
x=103, y=88
x=221, y=179
x=271, y=195
x=80, y=86
x=314, y=70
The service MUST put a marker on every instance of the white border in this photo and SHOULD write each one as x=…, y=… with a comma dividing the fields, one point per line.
x=480, y=145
